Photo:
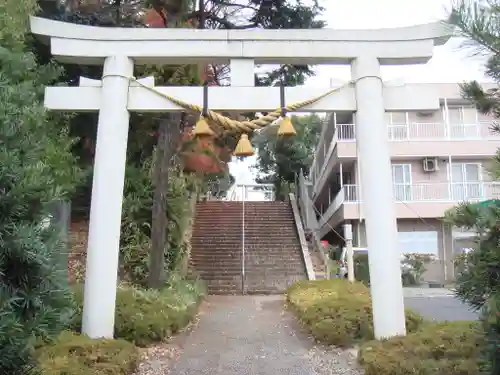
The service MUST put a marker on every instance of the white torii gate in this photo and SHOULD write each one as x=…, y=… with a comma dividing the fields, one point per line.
x=115, y=96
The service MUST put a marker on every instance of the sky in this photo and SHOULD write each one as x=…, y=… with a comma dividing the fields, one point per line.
x=451, y=62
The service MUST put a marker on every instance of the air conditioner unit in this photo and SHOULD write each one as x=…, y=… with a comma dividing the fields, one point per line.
x=430, y=164
x=424, y=113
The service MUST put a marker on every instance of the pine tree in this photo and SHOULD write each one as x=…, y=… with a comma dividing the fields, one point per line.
x=36, y=169
x=478, y=279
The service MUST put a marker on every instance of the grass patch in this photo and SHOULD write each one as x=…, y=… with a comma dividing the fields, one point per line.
x=75, y=354
x=338, y=312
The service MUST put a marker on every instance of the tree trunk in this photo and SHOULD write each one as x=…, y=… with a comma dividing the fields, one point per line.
x=168, y=137
x=159, y=223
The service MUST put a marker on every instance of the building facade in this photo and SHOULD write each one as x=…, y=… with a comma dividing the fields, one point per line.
x=439, y=158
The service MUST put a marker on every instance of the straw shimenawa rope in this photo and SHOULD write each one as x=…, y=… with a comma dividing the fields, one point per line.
x=241, y=126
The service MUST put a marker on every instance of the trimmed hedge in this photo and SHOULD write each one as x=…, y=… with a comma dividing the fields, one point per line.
x=450, y=348
x=147, y=316
x=74, y=354
x=338, y=312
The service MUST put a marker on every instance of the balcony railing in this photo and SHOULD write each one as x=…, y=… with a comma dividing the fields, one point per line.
x=417, y=131
x=454, y=192
x=433, y=192
x=250, y=192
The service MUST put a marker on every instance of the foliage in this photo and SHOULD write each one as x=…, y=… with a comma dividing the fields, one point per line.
x=361, y=268
x=478, y=281
x=338, y=312
x=201, y=155
x=147, y=316
x=280, y=159
x=478, y=23
x=136, y=221
x=413, y=266
x=14, y=23
x=449, y=348
x=76, y=354
x=36, y=169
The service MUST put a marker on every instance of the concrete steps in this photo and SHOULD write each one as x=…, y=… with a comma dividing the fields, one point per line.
x=273, y=258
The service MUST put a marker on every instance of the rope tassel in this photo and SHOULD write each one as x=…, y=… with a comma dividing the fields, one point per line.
x=244, y=147
x=286, y=128
x=202, y=129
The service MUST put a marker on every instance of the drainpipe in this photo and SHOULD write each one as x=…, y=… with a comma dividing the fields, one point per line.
x=341, y=171
x=358, y=189
x=350, y=255
x=446, y=115
x=243, y=240
x=448, y=177
x=443, y=244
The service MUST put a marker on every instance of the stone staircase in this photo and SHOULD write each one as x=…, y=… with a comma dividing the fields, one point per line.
x=273, y=258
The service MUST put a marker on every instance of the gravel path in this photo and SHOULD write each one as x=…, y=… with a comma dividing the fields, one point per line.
x=248, y=335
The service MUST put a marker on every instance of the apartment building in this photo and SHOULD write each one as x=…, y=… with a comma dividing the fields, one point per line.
x=439, y=158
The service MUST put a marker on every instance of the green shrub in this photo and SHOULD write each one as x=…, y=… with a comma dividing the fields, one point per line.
x=74, y=354
x=338, y=312
x=361, y=268
x=37, y=170
x=450, y=348
x=146, y=316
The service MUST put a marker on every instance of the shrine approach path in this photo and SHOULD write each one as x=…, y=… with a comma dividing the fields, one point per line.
x=254, y=335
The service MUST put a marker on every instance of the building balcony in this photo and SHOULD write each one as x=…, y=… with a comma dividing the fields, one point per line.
x=412, y=141
x=425, y=139
x=416, y=200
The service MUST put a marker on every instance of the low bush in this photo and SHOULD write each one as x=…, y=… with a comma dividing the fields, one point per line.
x=338, y=312
x=450, y=348
x=147, y=316
x=74, y=354
x=361, y=268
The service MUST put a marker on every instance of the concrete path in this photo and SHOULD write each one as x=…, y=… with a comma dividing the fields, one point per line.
x=253, y=335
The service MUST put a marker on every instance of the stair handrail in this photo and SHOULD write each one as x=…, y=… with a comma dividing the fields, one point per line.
x=231, y=193
x=243, y=250
x=306, y=205
x=304, y=248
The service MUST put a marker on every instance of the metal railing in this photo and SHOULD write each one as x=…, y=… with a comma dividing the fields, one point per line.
x=428, y=192
x=419, y=131
x=251, y=192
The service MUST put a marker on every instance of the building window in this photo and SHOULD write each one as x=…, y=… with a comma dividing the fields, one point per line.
x=401, y=178
x=463, y=122
x=419, y=242
x=466, y=181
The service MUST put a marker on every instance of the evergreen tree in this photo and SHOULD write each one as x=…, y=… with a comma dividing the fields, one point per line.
x=478, y=279
x=280, y=159
x=36, y=169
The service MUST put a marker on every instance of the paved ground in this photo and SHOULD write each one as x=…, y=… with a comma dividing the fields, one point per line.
x=437, y=304
x=253, y=335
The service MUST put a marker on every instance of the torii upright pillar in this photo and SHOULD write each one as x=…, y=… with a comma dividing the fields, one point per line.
x=115, y=96
x=107, y=197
